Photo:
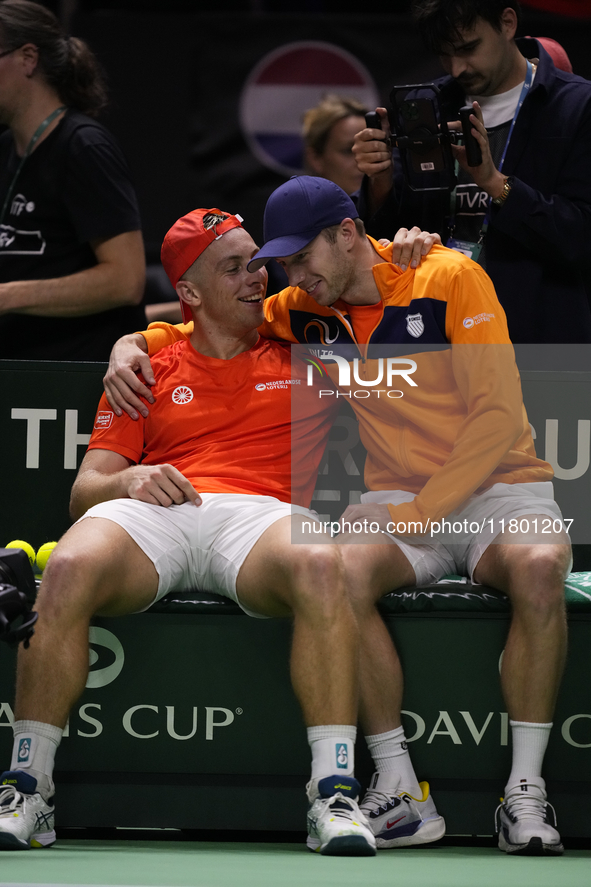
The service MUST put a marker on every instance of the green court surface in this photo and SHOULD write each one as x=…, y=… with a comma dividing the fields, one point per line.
x=204, y=864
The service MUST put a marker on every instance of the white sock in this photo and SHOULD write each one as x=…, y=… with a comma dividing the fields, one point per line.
x=333, y=750
x=393, y=764
x=529, y=742
x=35, y=745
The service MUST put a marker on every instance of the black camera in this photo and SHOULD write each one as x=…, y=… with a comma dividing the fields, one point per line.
x=17, y=596
x=423, y=138
x=473, y=152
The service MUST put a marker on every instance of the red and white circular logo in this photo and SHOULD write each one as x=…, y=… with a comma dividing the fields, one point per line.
x=285, y=83
x=182, y=394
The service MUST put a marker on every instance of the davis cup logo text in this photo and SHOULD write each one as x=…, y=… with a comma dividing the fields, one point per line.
x=141, y=720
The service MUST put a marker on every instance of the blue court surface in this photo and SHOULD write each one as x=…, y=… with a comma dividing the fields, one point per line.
x=208, y=864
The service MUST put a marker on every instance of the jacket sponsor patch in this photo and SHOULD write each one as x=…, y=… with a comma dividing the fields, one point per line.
x=469, y=322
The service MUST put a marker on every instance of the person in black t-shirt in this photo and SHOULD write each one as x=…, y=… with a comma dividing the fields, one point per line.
x=72, y=265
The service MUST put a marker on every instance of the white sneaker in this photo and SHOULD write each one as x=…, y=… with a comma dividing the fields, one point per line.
x=336, y=825
x=399, y=820
x=26, y=818
x=526, y=822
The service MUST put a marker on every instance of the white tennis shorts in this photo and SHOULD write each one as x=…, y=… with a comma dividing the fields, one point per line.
x=458, y=548
x=198, y=546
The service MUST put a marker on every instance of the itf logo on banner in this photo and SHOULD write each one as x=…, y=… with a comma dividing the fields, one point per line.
x=286, y=83
x=342, y=756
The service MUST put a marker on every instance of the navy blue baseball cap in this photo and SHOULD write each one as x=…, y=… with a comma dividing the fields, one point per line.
x=297, y=212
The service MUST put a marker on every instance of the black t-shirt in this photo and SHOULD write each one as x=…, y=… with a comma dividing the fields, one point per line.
x=74, y=187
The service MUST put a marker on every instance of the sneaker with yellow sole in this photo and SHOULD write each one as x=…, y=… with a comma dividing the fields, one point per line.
x=399, y=820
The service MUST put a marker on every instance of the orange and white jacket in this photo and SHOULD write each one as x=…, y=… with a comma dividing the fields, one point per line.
x=462, y=426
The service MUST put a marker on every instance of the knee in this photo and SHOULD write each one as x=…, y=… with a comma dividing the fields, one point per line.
x=68, y=582
x=548, y=566
x=538, y=580
x=318, y=578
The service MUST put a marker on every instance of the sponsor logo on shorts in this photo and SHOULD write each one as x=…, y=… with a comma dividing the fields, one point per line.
x=182, y=395
x=342, y=754
x=104, y=419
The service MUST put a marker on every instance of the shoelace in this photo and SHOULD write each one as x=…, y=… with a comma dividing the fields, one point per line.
x=374, y=800
x=526, y=805
x=342, y=807
x=5, y=798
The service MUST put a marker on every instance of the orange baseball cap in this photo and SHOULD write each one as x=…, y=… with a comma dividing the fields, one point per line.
x=188, y=238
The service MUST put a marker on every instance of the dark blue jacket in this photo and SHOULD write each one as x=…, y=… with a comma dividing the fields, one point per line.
x=538, y=247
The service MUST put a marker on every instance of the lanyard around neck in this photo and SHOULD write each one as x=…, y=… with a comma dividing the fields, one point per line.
x=35, y=138
x=524, y=91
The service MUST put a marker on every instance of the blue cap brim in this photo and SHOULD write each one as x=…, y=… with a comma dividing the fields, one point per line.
x=282, y=246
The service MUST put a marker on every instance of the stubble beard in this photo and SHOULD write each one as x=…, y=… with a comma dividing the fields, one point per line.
x=342, y=281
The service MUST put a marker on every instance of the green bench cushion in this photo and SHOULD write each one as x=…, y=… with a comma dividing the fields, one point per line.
x=452, y=594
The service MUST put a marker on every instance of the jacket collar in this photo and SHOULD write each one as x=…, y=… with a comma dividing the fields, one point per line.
x=546, y=72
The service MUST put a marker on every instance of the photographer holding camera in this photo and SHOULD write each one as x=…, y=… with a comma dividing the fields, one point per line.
x=525, y=210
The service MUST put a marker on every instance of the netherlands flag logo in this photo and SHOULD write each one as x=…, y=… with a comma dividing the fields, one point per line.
x=283, y=85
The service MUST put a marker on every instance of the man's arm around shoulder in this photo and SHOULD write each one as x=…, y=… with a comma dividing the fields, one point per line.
x=130, y=356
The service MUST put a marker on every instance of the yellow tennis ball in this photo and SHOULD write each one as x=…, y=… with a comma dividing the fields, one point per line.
x=43, y=554
x=28, y=549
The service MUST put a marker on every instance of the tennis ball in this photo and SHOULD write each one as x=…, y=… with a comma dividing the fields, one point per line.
x=43, y=555
x=28, y=549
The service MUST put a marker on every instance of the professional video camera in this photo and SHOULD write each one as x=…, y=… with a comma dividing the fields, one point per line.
x=421, y=133
x=17, y=596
